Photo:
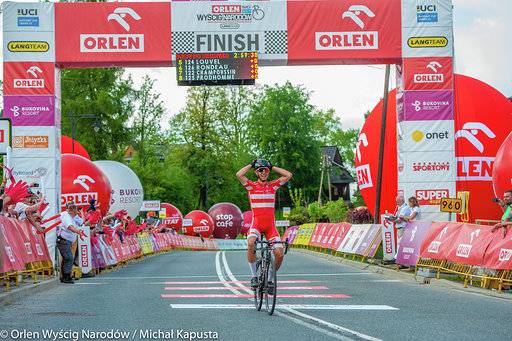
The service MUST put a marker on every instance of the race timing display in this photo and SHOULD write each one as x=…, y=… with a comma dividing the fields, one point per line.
x=240, y=68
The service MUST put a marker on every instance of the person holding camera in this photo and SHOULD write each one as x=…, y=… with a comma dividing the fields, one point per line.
x=506, y=219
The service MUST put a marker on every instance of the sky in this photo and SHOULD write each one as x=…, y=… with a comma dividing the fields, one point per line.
x=482, y=50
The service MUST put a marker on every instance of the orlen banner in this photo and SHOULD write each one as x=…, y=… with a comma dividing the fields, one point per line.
x=483, y=117
x=29, y=78
x=342, y=31
x=82, y=181
x=113, y=34
x=234, y=26
x=198, y=223
x=127, y=192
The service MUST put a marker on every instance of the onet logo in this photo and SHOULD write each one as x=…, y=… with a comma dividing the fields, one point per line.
x=362, y=140
x=434, y=66
x=34, y=71
x=82, y=181
x=354, y=11
x=120, y=13
x=470, y=130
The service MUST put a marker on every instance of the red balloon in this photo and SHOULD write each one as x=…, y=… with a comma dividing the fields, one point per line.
x=66, y=147
x=173, y=217
x=198, y=222
x=82, y=181
x=501, y=173
x=366, y=158
x=483, y=117
x=247, y=222
x=228, y=220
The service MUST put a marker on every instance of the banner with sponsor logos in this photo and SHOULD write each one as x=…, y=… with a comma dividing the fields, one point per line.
x=354, y=238
x=438, y=240
x=234, y=26
x=342, y=31
x=113, y=34
x=29, y=78
x=410, y=243
x=499, y=252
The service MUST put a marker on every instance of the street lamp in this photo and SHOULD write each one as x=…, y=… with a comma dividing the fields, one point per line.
x=74, y=123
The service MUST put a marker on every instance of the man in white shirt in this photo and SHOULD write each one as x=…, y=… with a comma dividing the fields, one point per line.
x=67, y=233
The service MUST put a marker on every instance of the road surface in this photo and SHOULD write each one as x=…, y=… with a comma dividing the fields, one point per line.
x=182, y=295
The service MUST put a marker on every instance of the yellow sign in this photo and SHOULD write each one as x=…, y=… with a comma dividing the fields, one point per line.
x=162, y=214
x=451, y=205
x=415, y=42
x=28, y=46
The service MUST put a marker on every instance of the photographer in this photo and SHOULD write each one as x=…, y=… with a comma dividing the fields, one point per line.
x=506, y=219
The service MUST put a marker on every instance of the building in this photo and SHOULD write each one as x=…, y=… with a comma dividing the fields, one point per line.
x=340, y=178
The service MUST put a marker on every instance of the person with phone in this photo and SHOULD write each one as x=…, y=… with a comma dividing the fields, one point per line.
x=506, y=219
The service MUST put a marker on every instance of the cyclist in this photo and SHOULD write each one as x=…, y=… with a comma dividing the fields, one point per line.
x=262, y=198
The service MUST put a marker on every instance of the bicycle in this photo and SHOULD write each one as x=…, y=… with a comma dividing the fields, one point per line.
x=263, y=265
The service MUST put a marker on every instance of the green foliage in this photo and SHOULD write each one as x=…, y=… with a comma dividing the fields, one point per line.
x=316, y=212
x=336, y=211
x=298, y=216
x=104, y=93
x=357, y=199
x=282, y=126
x=297, y=196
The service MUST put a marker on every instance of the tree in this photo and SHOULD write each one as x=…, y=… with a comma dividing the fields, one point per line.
x=282, y=127
x=101, y=92
x=146, y=125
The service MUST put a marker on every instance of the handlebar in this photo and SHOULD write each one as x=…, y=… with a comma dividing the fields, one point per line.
x=270, y=243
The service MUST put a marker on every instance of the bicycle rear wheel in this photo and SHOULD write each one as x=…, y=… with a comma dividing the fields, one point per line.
x=258, y=292
x=270, y=299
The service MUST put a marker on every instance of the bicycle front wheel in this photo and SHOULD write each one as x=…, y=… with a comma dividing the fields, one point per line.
x=270, y=298
x=258, y=292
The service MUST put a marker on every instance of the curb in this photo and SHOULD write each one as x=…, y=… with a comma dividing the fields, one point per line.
x=7, y=297
x=409, y=276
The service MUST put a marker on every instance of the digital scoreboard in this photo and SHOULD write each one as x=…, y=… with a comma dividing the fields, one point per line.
x=235, y=68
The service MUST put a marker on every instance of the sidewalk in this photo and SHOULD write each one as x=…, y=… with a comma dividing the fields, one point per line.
x=409, y=276
x=26, y=287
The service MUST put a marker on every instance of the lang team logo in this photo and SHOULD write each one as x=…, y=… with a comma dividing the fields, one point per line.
x=128, y=42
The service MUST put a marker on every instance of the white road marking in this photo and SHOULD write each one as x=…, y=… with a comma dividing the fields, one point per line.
x=306, y=316
x=292, y=306
x=313, y=327
x=90, y=283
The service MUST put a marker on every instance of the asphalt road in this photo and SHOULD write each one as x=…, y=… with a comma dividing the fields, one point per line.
x=166, y=296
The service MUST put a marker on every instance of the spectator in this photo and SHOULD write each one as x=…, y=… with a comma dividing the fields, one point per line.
x=67, y=232
x=403, y=210
x=414, y=209
x=506, y=218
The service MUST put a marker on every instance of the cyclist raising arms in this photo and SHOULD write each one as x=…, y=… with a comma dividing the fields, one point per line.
x=262, y=198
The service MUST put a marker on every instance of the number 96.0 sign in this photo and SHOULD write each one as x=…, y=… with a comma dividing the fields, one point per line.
x=451, y=205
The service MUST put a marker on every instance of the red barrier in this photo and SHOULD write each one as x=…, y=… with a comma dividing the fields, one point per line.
x=437, y=243
x=470, y=244
x=499, y=252
x=318, y=233
x=339, y=235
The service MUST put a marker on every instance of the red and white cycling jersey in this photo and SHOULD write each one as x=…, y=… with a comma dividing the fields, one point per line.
x=262, y=197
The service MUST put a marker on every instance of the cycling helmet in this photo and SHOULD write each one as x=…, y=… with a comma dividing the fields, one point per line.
x=262, y=163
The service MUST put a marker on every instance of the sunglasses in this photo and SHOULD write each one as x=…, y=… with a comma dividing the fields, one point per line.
x=262, y=170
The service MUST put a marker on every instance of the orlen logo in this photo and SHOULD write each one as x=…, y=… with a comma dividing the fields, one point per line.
x=505, y=255
x=433, y=77
x=434, y=247
x=364, y=176
x=463, y=250
x=115, y=42
x=82, y=181
x=431, y=196
x=30, y=83
x=352, y=40
x=475, y=168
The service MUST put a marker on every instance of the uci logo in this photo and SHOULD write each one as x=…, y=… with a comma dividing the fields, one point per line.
x=27, y=11
x=425, y=8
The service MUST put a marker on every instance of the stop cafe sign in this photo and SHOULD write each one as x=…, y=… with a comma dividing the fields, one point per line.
x=198, y=222
x=228, y=220
x=82, y=181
